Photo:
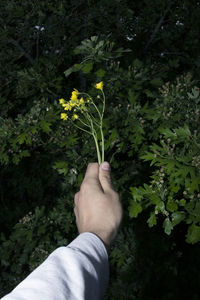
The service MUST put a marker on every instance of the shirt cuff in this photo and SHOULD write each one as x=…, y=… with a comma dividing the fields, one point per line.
x=92, y=239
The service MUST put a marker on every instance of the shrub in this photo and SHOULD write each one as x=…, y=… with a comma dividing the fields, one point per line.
x=173, y=189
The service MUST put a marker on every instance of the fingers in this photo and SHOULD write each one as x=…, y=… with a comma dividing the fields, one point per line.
x=98, y=175
x=91, y=178
x=76, y=198
x=104, y=176
x=75, y=211
x=92, y=171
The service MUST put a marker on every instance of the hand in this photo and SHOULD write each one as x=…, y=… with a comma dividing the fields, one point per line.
x=97, y=206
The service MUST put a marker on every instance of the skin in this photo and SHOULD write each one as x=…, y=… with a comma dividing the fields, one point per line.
x=97, y=206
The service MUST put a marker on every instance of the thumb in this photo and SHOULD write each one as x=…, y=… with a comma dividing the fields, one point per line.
x=104, y=176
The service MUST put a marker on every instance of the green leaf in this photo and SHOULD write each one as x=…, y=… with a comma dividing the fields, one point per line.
x=195, y=183
x=149, y=93
x=167, y=224
x=39, y=211
x=80, y=179
x=193, y=234
x=61, y=167
x=183, y=132
x=77, y=67
x=148, y=156
x=15, y=159
x=134, y=209
x=152, y=220
x=132, y=97
x=70, y=141
x=182, y=202
x=22, y=138
x=167, y=132
x=72, y=69
x=25, y=153
x=94, y=38
x=137, y=63
x=177, y=217
x=156, y=82
x=45, y=126
x=137, y=193
x=155, y=199
x=195, y=94
x=160, y=206
x=69, y=71
x=171, y=205
x=87, y=68
x=100, y=73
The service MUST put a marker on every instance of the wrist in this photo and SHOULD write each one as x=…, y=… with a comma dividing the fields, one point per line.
x=106, y=244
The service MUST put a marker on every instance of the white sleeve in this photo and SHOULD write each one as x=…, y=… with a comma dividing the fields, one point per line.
x=76, y=272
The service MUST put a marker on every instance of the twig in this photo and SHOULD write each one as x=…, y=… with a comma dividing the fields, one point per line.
x=157, y=28
x=16, y=44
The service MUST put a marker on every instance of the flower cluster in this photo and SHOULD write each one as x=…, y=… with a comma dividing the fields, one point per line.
x=89, y=115
x=158, y=179
x=27, y=218
x=74, y=103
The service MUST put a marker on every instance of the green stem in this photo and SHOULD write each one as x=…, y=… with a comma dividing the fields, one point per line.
x=95, y=139
x=101, y=122
x=97, y=148
x=97, y=110
x=93, y=121
x=104, y=102
x=101, y=129
x=93, y=104
x=102, y=146
x=83, y=123
x=92, y=117
x=81, y=128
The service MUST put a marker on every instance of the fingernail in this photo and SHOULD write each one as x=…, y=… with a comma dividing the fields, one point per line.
x=105, y=166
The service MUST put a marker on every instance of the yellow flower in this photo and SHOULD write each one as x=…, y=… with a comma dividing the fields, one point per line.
x=99, y=86
x=82, y=101
x=61, y=101
x=74, y=117
x=63, y=116
x=67, y=106
x=74, y=95
x=73, y=103
x=76, y=91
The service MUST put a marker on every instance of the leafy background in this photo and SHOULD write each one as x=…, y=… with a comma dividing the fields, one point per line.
x=147, y=53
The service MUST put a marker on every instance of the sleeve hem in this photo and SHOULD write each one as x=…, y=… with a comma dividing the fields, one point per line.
x=92, y=239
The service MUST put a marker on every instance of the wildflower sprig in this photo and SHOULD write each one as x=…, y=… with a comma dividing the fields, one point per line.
x=88, y=115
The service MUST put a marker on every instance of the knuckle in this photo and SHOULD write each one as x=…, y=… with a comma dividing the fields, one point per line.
x=84, y=185
x=75, y=211
x=115, y=194
x=76, y=195
x=92, y=165
x=88, y=183
x=76, y=198
x=76, y=201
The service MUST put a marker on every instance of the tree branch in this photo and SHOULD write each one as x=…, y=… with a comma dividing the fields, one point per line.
x=17, y=45
x=157, y=28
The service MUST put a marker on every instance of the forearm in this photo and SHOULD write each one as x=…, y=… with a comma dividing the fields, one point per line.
x=78, y=271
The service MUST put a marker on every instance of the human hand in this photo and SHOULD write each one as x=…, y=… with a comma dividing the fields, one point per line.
x=97, y=205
